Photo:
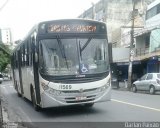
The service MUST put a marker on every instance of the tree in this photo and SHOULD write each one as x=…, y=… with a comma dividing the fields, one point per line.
x=4, y=57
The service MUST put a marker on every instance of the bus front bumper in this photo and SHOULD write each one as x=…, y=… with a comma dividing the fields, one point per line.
x=48, y=100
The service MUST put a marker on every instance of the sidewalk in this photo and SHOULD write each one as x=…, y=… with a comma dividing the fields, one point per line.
x=122, y=87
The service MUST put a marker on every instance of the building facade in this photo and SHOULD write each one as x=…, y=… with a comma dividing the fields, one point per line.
x=117, y=15
x=6, y=36
x=148, y=39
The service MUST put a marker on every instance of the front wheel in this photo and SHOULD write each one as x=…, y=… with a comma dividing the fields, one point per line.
x=134, y=89
x=152, y=90
x=18, y=94
x=36, y=107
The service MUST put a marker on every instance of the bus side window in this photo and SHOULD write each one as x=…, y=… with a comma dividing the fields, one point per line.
x=16, y=59
x=27, y=53
x=24, y=57
x=30, y=51
x=21, y=56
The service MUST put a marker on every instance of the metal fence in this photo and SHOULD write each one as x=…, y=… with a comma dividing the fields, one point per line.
x=145, y=51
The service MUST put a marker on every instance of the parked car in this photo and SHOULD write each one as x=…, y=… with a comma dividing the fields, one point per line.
x=149, y=82
x=1, y=78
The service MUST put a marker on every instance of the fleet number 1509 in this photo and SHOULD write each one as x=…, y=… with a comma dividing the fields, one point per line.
x=65, y=87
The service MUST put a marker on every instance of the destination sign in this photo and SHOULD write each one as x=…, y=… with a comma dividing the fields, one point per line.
x=55, y=28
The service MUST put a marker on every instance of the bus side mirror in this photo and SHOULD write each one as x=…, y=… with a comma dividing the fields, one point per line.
x=110, y=52
x=36, y=57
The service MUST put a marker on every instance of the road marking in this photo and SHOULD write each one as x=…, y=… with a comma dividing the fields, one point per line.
x=137, y=105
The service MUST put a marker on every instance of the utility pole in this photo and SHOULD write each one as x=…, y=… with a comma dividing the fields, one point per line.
x=131, y=48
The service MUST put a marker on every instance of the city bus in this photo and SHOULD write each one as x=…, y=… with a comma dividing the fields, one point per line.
x=63, y=62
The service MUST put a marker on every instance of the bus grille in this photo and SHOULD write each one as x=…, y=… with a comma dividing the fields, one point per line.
x=77, y=91
x=79, y=101
x=75, y=96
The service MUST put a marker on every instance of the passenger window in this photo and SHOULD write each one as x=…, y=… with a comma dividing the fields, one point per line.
x=149, y=77
x=143, y=77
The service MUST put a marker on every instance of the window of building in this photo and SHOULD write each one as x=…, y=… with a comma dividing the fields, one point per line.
x=158, y=8
x=153, y=11
x=147, y=40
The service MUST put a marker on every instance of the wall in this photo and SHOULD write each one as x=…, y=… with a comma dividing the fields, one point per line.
x=120, y=54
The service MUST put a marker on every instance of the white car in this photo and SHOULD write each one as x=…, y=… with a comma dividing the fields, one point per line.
x=149, y=82
x=1, y=78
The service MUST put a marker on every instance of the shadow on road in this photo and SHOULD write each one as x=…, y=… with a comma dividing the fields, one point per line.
x=67, y=110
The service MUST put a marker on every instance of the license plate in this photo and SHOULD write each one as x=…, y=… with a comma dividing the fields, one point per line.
x=81, y=98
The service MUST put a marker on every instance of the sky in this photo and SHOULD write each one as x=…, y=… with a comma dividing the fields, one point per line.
x=21, y=15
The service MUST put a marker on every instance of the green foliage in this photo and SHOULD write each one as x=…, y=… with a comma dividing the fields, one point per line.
x=4, y=57
x=4, y=48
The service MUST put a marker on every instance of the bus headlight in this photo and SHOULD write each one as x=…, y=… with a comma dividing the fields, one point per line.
x=105, y=86
x=54, y=92
x=50, y=90
x=44, y=86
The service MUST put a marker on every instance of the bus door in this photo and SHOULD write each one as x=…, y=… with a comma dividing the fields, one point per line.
x=20, y=70
x=35, y=69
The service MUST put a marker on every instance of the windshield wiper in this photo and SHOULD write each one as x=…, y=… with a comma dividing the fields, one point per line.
x=85, y=45
x=62, y=50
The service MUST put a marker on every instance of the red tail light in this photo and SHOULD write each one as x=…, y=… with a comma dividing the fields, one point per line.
x=158, y=81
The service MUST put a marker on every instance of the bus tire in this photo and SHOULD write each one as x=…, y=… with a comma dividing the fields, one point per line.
x=16, y=87
x=36, y=107
x=88, y=105
x=18, y=94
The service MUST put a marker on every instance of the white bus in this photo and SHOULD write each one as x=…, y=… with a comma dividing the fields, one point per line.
x=63, y=62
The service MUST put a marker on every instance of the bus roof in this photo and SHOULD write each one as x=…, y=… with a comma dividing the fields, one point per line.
x=70, y=20
x=86, y=29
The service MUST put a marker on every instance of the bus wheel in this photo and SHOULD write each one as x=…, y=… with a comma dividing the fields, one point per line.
x=16, y=87
x=88, y=105
x=36, y=107
x=19, y=95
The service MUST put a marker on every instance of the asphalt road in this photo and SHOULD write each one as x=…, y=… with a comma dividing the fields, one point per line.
x=124, y=107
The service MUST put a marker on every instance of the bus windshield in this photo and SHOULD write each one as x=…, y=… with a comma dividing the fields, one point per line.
x=76, y=56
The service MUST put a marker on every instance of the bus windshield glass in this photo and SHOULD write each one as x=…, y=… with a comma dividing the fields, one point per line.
x=75, y=56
